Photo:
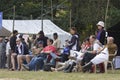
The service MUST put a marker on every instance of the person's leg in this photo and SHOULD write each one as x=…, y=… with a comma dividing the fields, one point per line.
x=31, y=65
x=28, y=58
x=64, y=57
x=87, y=61
x=54, y=58
x=88, y=57
x=39, y=63
x=102, y=69
x=62, y=66
x=36, y=60
x=3, y=59
x=99, y=59
x=13, y=56
x=87, y=66
x=20, y=60
x=9, y=60
x=35, y=63
x=0, y=61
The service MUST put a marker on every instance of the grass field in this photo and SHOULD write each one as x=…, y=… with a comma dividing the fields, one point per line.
x=26, y=75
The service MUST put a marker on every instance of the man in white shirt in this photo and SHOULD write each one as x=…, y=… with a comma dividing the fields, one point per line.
x=95, y=47
x=103, y=54
x=56, y=42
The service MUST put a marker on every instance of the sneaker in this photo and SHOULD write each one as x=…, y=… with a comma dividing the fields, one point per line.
x=25, y=67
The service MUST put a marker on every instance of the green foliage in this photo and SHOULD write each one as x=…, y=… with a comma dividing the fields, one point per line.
x=84, y=13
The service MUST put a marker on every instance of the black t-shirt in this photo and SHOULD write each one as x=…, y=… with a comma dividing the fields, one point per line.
x=44, y=40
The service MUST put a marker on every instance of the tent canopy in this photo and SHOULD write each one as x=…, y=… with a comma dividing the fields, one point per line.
x=34, y=26
x=114, y=31
x=4, y=32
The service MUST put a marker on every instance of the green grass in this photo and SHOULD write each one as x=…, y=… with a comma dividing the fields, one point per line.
x=26, y=75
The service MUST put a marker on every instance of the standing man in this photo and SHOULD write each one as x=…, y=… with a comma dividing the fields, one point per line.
x=95, y=46
x=56, y=42
x=12, y=44
x=13, y=41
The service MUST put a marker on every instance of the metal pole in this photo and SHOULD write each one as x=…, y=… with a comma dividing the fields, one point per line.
x=70, y=18
x=51, y=10
x=106, y=13
x=13, y=18
x=31, y=17
x=42, y=16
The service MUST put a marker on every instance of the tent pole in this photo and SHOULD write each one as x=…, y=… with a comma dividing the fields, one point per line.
x=51, y=10
x=108, y=1
x=42, y=17
x=13, y=18
x=31, y=17
x=70, y=18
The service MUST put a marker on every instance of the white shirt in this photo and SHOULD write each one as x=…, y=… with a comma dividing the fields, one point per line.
x=97, y=46
x=57, y=43
x=19, y=48
x=8, y=48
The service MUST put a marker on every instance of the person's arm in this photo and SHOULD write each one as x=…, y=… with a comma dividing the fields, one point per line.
x=47, y=52
x=72, y=42
x=92, y=52
x=116, y=50
x=102, y=37
x=96, y=49
x=44, y=51
x=58, y=44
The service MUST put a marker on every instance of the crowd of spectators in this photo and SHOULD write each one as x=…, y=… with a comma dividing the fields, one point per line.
x=45, y=54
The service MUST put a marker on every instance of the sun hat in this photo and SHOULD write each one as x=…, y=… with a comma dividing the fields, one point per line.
x=100, y=23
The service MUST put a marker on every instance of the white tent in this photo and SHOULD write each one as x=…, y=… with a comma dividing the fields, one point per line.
x=34, y=26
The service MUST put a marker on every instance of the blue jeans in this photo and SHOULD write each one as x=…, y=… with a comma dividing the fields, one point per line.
x=53, y=60
x=37, y=61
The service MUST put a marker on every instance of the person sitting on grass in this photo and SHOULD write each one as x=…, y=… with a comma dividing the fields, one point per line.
x=39, y=59
x=33, y=53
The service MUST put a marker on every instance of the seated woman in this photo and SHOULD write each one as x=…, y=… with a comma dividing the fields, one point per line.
x=20, y=50
x=103, y=54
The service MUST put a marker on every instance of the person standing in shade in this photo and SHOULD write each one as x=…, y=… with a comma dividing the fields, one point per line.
x=100, y=34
